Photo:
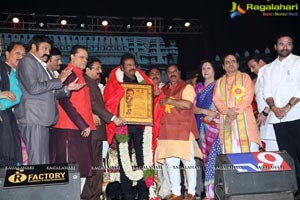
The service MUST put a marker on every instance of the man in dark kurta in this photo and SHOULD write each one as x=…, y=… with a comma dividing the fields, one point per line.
x=93, y=185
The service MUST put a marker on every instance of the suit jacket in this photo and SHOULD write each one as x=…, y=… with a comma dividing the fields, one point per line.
x=98, y=108
x=38, y=103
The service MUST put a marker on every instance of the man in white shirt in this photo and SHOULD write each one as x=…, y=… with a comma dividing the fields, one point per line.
x=154, y=74
x=256, y=64
x=282, y=93
x=54, y=62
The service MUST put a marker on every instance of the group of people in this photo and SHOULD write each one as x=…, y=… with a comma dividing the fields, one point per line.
x=224, y=113
x=60, y=116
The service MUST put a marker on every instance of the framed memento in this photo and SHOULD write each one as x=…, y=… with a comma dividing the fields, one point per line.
x=136, y=106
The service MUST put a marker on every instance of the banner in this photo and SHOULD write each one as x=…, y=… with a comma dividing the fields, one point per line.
x=31, y=175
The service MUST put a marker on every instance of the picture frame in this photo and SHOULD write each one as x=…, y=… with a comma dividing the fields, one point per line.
x=136, y=106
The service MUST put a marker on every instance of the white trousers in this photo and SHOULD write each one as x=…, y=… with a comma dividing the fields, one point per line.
x=173, y=165
x=163, y=176
x=82, y=182
x=271, y=145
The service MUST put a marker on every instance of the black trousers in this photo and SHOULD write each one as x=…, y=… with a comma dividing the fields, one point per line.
x=135, y=134
x=288, y=138
x=93, y=185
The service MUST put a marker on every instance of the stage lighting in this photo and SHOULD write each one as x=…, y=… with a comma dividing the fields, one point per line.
x=149, y=24
x=41, y=24
x=104, y=23
x=15, y=20
x=63, y=22
x=187, y=24
x=168, y=24
x=82, y=25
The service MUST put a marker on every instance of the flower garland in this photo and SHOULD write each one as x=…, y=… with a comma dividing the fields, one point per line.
x=148, y=171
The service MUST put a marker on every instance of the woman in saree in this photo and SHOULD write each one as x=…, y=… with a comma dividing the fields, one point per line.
x=207, y=121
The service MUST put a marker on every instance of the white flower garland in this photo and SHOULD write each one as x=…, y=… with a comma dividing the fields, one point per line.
x=147, y=150
x=126, y=163
x=147, y=154
x=147, y=147
x=152, y=194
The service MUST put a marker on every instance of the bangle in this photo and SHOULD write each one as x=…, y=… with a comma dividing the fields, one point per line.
x=290, y=104
x=271, y=106
x=265, y=113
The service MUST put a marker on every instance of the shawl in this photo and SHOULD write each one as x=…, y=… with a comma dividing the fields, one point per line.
x=238, y=91
x=113, y=94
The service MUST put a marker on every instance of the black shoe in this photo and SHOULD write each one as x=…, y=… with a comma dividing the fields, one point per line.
x=297, y=197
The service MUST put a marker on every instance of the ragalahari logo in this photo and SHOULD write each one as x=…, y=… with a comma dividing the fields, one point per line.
x=266, y=9
x=236, y=10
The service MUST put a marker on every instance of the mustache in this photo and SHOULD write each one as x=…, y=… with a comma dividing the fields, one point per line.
x=46, y=55
x=173, y=76
x=132, y=70
x=154, y=78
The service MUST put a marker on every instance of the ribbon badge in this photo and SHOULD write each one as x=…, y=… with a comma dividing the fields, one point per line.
x=238, y=91
x=168, y=107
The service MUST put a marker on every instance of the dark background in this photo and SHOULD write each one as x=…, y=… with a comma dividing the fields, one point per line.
x=220, y=33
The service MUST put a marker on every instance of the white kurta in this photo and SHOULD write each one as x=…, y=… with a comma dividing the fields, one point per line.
x=267, y=132
x=282, y=82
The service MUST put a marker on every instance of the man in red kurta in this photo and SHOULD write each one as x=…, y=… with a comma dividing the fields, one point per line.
x=178, y=131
